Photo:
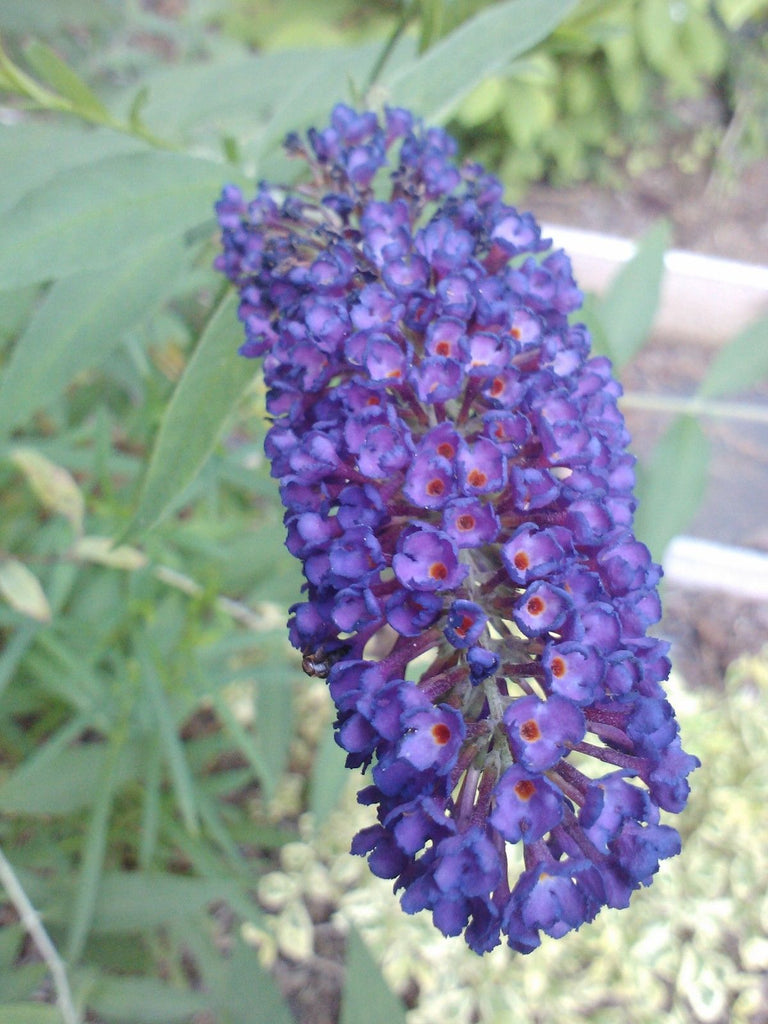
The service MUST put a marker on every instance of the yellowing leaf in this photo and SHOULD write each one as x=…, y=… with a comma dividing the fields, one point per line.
x=53, y=485
x=21, y=589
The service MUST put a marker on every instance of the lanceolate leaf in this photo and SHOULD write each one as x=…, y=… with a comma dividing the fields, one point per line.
x=366, y=996
x=628, y=308
x=88, y=217
x=80, y=321
x=29, y=1013
x=138, y=901
x=144, y=1000
x=53, y=485
x=246, y=993
x=741, y=365
x=204, y=399
x=22, y=590
x=63, y=776
x=671, y=486
x=447, y=72
x=32, y=153
x=61, y=78
x=330, y=778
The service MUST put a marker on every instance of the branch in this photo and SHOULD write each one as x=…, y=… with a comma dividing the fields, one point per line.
x=31, y=920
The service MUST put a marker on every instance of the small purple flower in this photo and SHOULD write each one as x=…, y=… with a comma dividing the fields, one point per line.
x=470, y=523
x=574, y=670
x=409, y=612
x=465, y=622
x=526, y=805
x=540, y=732
x=426, y=559
x=531, y=553
x=543, y=607
x=430, y=481
x=432, y=739
x=454, y=470
x=482, y=468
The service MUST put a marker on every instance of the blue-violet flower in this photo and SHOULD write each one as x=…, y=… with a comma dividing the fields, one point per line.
x=456, y=482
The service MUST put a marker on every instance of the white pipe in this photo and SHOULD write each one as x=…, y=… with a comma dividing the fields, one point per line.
x=707, y=565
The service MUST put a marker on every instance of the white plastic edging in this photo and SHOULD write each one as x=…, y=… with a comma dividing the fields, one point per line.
x=704, y=299
x=707, y=565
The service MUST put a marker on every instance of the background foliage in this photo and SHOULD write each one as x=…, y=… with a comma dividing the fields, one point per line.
x=165, y=770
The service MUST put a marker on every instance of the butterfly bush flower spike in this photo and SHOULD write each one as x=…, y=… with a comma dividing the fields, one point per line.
x=454, y=471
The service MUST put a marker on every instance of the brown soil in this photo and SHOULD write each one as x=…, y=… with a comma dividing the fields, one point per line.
x=720, y=213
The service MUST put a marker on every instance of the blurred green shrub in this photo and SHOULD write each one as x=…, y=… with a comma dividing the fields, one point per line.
x=606, y=84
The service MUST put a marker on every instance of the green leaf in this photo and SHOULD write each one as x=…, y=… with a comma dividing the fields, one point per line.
x=257, y=759
x=21, y=983
x=107, y=211
x=16, y=647
x=247, y=994
x=278, y=577
x=366, y=996
x=22, y=590
x=181, y=775
x=92, y=856
x=137, y=901
x=590, y=315
x=628, y=308
x=15, y=309
x=274, y=724
x=143, y=1000
x=225, y=92
x=448, y=72
x=151, y=812
x=204, y=399
x=28, y=1013
x=79, y=323
x=66, y=82
x=671, y=486
x=330, y=777
x=59, y=779
x=255, y=100
x=741, y=365
x=33, y=153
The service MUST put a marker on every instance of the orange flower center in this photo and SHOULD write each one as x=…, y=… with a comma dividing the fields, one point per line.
x=440, y=733
x=525, y=789
x=536, y=606
x=558, y=667
x=530, y=731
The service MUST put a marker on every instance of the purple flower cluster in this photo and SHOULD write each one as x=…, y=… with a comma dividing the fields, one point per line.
x=454, y=471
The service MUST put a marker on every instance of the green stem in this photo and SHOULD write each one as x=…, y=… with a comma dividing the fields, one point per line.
x=23, y=84
x=694, y=406
x=387, y=51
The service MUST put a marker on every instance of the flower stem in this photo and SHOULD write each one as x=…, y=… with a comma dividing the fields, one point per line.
x=387, y=51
